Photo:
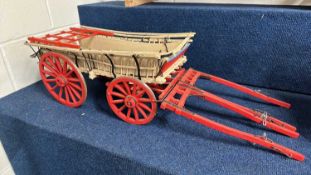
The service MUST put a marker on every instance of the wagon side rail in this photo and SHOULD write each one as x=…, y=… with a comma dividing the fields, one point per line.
x=92, y=51
x=143, y=34
x=181, y=46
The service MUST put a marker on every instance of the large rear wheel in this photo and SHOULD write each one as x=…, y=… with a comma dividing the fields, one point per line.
x=62, y=79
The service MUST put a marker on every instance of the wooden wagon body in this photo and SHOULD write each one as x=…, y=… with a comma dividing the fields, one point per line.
x=150, y=57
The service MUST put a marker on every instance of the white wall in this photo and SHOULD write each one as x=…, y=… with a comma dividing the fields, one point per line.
x=19, y=19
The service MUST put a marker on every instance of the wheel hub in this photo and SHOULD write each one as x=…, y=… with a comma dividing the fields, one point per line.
x=130, y=101
x=61, y=81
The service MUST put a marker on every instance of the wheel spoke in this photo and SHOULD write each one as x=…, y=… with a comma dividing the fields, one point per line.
x=75, y=86
x=118, y=101
x=54, y=87
x=69, y=73
x=49, y=73
x=58, y=64
x=50, y=80
x=73, y=98
x=126, y=86
x=67, y=96
x=75, y=92
x=65, y=67
x=52, y=64
x=142, y=112
x=116, y=94
x=49, y=67
x=120, y=89
x=145, y=100
x=134, y=89
x=122, y=108
x=73, y=80
x=60, y=93
x=141, y=93
x=129, y=111
x=145, y=107
x=136, y=114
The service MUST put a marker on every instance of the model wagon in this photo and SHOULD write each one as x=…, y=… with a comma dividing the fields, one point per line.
x=146, y=69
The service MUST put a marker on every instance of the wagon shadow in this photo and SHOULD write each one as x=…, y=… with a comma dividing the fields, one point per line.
x=41, y=89
x=224, y=91
x=162, y=121
x=97, y=93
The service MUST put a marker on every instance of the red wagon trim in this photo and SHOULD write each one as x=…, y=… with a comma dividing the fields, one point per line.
x=70, y=38
x=174, y=59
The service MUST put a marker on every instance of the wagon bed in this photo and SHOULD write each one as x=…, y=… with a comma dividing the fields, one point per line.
x=150, y=57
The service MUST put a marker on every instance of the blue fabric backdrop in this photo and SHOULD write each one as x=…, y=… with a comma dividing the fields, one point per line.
x=256, y=45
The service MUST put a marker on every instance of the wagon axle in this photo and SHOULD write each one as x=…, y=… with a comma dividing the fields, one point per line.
x=61, y=81
x=130, y=101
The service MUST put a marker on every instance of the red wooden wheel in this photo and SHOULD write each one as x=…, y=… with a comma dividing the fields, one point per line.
x=131, y=100
x=62, y=79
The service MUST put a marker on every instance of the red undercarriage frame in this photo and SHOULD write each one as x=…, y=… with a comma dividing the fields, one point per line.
x=174, y=97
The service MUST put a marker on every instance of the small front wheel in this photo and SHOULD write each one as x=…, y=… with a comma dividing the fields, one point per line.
x=132, y=100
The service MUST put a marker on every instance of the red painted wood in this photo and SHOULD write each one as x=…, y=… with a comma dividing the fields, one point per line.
x=68, y=38
x=259, y=140
x=131, y=100
x=53, y=43
x=170, y=63
x=246, y=90
x=92, y=31
x=62, y=79
x=183, y=85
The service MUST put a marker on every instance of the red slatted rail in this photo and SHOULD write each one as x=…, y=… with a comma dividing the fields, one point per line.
x=70, y=38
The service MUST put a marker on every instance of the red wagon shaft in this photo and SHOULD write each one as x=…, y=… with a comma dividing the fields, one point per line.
x=183, y=85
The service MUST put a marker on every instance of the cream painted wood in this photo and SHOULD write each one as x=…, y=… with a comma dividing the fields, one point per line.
x=132, y=3
x=151, y=50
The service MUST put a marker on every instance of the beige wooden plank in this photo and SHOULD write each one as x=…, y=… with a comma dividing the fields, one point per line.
x=132, y=3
